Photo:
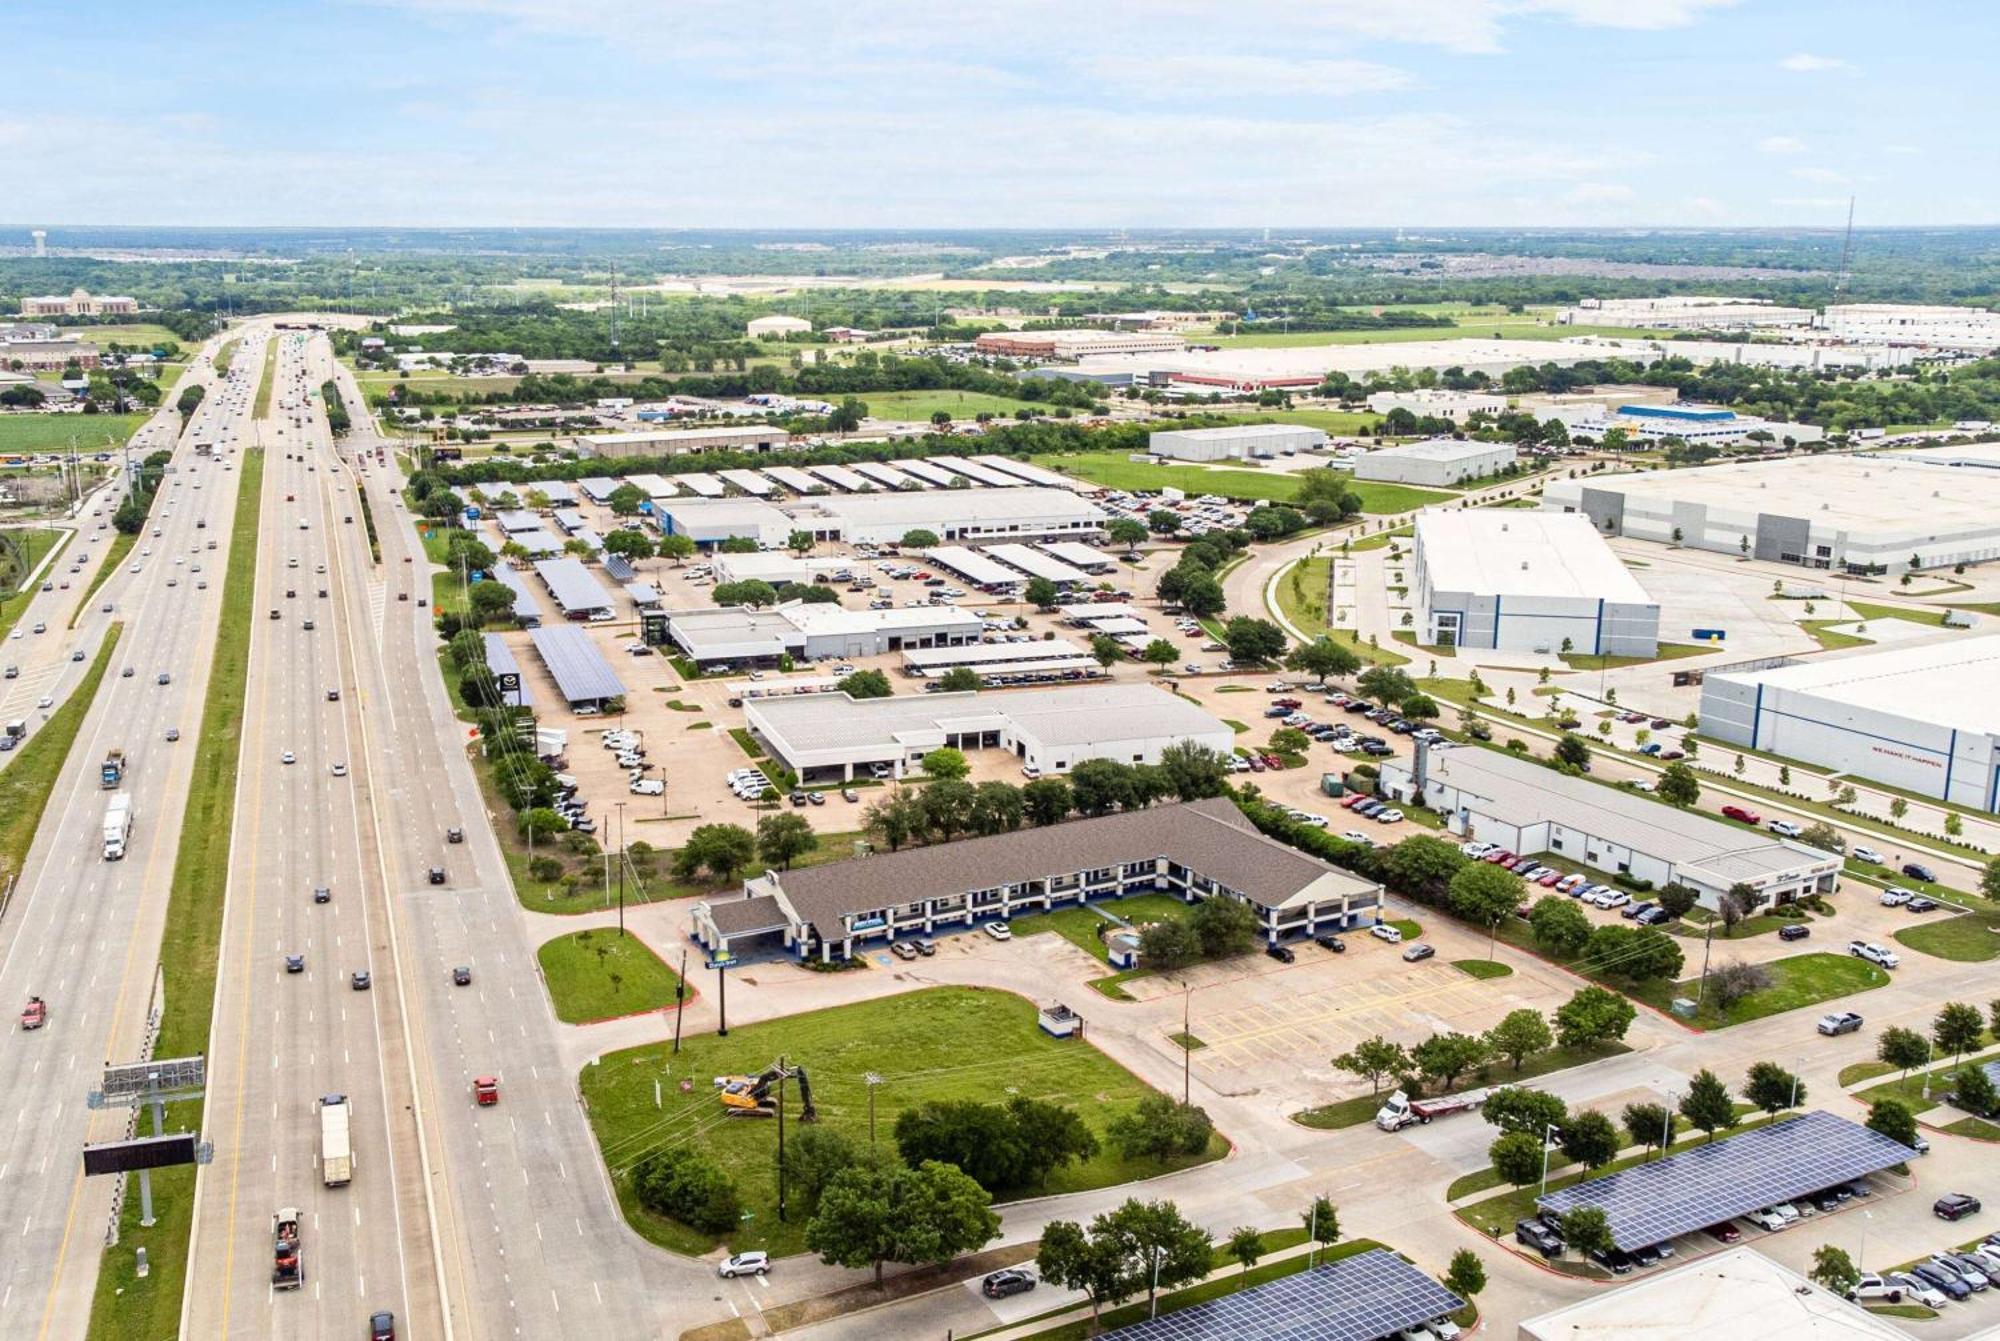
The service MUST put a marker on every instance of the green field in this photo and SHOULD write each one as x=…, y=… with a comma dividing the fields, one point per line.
x=1801, y=980
x=27, y=782
x=58, y=432
x=600, y=975
x=136, y=333
x=21, y=548
x=1968, y=938
x=1079, y=926
x=921, y=405
x=1115, y=471
x=940, y=1043
x=1347, y=422
x=1471, y=326
x=1869, y=610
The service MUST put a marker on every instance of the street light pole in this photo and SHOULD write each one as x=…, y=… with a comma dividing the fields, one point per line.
x=871, y=1080
x=1548, y=1131
x=621, y=869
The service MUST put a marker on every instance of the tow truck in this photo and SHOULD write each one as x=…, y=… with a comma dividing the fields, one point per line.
x=35, y=1014
x=288, y=1271
x=485, y=1091
x=1402, y=1111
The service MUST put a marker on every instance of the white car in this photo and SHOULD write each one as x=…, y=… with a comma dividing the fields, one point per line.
x=1030, y=772
x=1475, y=850
x=1356, y=836
x=1895, y=896
x=1615, y=898
x=1784, y=828
x=1872, y=1286
x=1873, y=953
x=1382, y=931
x=1769, y=1219
x=288, y=758
x=1915, y=1287
x=340, y=770
x=1868, y=854
x=1389, y=816
x=648, y=787
x=999, y=931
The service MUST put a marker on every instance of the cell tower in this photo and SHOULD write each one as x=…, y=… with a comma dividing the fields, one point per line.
x=1846, y=253
x=41, y=237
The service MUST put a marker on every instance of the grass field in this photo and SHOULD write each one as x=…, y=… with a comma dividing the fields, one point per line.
x=1113, y=470
x=26, y=784
x=57, y=432
x=1482, y=968
x=137, y=333
x=1910, y=1088
x=23, y=548
x=1969, y=938
x=126, y=1307
x=921, y=405
x=600, y=975
x=919, y=1043
x=262, y=408
x=1344, y=422
x=1486, y=326
x=1590, y=661
x=1870, y=610
x=1802, y=980
x=1301, y=596
x=1079, y=926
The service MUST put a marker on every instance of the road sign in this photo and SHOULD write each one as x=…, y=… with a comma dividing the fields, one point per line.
x=127, y=1081
x=145, y=1152
x=508, y=682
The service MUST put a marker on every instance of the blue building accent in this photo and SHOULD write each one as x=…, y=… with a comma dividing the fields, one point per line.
x=1597, y=633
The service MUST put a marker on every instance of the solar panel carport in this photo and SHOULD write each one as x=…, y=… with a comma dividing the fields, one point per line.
x=1360, y=1298
x=1708, y=1184
x=581, y=673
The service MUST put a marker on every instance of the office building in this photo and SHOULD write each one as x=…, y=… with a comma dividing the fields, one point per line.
x=710, y=521
x=1076, y=343
x=739, y=636
x=966, y=515
x=1432, y=403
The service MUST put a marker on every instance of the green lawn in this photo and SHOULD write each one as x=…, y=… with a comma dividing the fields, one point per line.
x=1910, y=1088
x=136, y=333
x=1346, y=423
x=1831, y=639
x=941, y=1043
x=1856, y=1072
x=1585, y=661
x=29, y=779
x=124, y=1305
x=921, y=405
x=1353, y=1112
x=1870, y=610
x=1115, y=471
x=24, y=547
x=1079, y=926
x=1969, y=938
x=1483, y=969
x=600, y=975
x=1801, y=980
x=1412, y=930
x=58, y=432
x=262, y=408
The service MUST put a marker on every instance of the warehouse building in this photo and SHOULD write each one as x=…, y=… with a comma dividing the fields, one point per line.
x=777, y=326
x=710, y=521
x=1918, y=718
x=736, y=635
x=1076, y=344
x=1434, y=463
x=778, y=567
x=1242, y=442
x=1049, y=729
x=964, y=515
x=680, y=441
x=1532, y=809
x=1194, y=850
x=1526, y=582
x=1864, y=514
x=576, y=590
x=1433, y=403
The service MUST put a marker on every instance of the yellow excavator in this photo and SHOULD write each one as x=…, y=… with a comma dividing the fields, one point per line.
x=750, y=1096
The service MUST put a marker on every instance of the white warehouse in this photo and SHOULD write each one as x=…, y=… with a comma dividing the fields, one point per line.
x=1526, y=582
x=1435, y=462
x=953, y=515
x=1241, y=442
x=1918, y=718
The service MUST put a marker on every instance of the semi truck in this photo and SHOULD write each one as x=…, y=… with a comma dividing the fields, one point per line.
x=288, y=1270
x=1402, y=1111
x=113, y=771
x=117, y=826
x=336, y=1157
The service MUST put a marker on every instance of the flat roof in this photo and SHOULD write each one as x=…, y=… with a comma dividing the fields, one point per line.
x=574, y=587
x=1516, y=552
x=1439, y=449
x=1707, y=1184
x=1079, y=662
x=1873, y=496
x=538, y=541
x=792, y=478
x=1036, y=564
x=517, y=519
x=993, y=506
x=1360, y=1298
x=581, y=672
x=973, y=566
x=985, y=654
x=1523, y=791
x=1097, y=611
x=1948, y=684
x=669, y=436
x=1232, y=432
x=888, y=476
x=501, y=661
x=720, y=511
x=1077, y=553
x=597, y=487
x=655, y=486
x=558, y=492
x=1023, y=470
x=824, y=617
x=749, y=481
x=840, y=477
x=702, y=483
x=1057, y=716
x=1734, y=1295
x=924, y=470
x=987, y=475
x=731, y=630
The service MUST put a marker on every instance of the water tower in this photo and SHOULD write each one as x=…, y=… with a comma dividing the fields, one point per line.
x=41, y=237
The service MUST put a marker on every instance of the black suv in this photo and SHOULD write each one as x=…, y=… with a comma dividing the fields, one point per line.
x=1333, y=943
x=437, y=875
x=1003, y=1283
x=1534, y=1234
x=1282, y=953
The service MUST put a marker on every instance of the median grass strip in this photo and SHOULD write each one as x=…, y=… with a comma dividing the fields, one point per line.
x=114, y=557
x=27, y=782
x=265, y=379
x=18, y=551
x=1910, y=1088
x=1353, y=1112
x=600, y=975
x=940, y=1043
x=1969, y=938
x=1482, y=969
x=126, y=1306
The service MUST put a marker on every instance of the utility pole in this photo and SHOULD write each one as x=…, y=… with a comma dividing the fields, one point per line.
x=871, y=1080
x=1707, y=943
x=1187, y=1049
x=722, y=1000
x=621, y=870
x=680, y=1001
x=781, y=1136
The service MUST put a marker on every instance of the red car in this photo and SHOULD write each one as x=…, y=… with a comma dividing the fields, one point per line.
x=1739, y=813
x=485, y=1091
x=1273, y=761
x=35, y=1014
x=1549, y=877
x=1499, y=856
x=1352, y=799
x=1724, y=1233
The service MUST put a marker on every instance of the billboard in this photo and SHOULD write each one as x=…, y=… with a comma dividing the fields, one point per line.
x=145, y=1152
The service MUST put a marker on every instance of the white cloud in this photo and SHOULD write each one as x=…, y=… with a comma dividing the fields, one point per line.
x=1810, y=202
x=1781, y=144
x=1641, y=14
x=1806, y=63
x=1821, y=176
x=1170, y=77
x=1706, y=208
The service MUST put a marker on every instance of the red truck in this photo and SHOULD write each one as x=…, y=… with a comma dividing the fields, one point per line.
x=35, y=1014
x=486, y=1091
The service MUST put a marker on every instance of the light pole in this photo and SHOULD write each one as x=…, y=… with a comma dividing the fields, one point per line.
x=1667, y=1124
x=621, y=869
x=1861, y=1262
x=1930, y=1052
x=871, y=1080
x=1548, y=1134
x=1795, y=1085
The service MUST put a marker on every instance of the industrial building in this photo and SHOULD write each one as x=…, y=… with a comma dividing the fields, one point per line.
x=1969, y=329
x=1034, y=662
x=1526, y=582
x=1076, y=344
x=1920, y=718
x=736, y=635
x=1687, y=312
x=680, y=441
x=1434, y=403
x=1709, y=424
x=78, y=303
x=1529, y=808
x=1193, y=850
x=710, y=521
x=777, y=326
x=576, y=590
x=1865, y=514
x=778, y=567
x=1242, y=442
x=1434, y=463
x=1049, y=729
x=1734, y=1295
x=958, y=515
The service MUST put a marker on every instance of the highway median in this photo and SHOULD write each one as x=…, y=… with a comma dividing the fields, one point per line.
x=28, y=782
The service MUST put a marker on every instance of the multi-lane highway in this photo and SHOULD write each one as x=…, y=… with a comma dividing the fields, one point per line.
x=83, y=932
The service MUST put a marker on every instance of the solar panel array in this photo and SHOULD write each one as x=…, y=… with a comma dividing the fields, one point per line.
x=1360, y=1298
x=580, y=671
x=1707, y=1184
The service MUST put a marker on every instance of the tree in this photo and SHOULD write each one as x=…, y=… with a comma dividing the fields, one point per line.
x=1159, y=1129
x=1834, y=1269
x=1047, y=801
x=800, y=542
x=1573, y=751
x=489, y=601
x=1590, y=1138
x=1163, y=522
x=1519, y=1035
x=1421, y=867
x=1372, y=1059
x=1593, y=1015
x=1989, y=879
x=1093, y=1263
x=1325, y=496
x=1520, y=1108
x=1902, y=1048
x=1516, y=1156
x=1322, y=657
x=815, y=1157
x=1894, y=1119
x=676, y=546
x=625, y=500
x=919, y=538
x=1253, y=641
x=898, y=817
x=1169, y=945
x=865, y=684
x=1041, y=593
x=996, y=808
x=1466, y=1276
x=1386, y=684
x=1559, y=926
x=1973, y=1092
x=1246, y=1245
x=1321, y=1220
x=1124, y=531
x=1585, y=1229
x=1224, y=926
x=1166, y=1250
x=1735, y=980
x=847, y=417
x=1106, y=650
x=947, y=807
x=959, y=680
x=1101, y=786
x=1677, y=900
x=1636, y=954
x=685, y=1185
x=925, y=1215
x=540, y=822
x=1048, y=1136
x=1447, y=1056
x=719, y=849
x=753, y=592
x=1483, y=895
x=1957, y=1029
x=1772, y=1088
x=1420, y=708
x=783, y=838
x=1290, y=740
x=1707, y=1104
x=1202, y=596
x=1159, y=653
x=1649, y=1125
x=1736, y=904
x=1677, y=786
x=629, y=544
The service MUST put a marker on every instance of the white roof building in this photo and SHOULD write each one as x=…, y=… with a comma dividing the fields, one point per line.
x=1435, y=462
x=969, y=515
x=813, y=631
x=1238, y=442
x=709, y=521
x=1527, y=582
x=758, y=327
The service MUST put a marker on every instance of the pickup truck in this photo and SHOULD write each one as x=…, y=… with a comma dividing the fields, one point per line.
x=288, y=1270
x=1401, y=1111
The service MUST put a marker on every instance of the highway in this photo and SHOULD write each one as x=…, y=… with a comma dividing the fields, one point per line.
x=83, y=932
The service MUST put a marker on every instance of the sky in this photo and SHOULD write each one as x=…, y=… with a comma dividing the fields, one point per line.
x=1018, y=113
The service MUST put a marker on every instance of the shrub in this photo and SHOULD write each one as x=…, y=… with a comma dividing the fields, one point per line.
x=689, y=1187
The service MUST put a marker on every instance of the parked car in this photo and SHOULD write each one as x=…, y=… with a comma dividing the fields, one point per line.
x=1768, y=1219
x=1946, y=1282
x=1724, y=1233
x=1784, y=828
x=1794, y=931
x=1867, y=854
x=1918, y=1289
x=1333, y=943
x=1839, y=1022
x=1013, y=1280
x=1916, y=870
x=744, y=1264
x=1742, y=815
x=1874, y=954
x=1872, y=1286
x=1417, y=950
x=1282, y=953
x=1382, y=931
x=1534, y=1234
x=1955, y=1206
x=1921, y=905
x=1895, y=896
x=902, y=949
x=999, y=931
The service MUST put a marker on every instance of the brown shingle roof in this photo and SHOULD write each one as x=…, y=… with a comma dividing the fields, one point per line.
x=738, y=917
x=1210, y=837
